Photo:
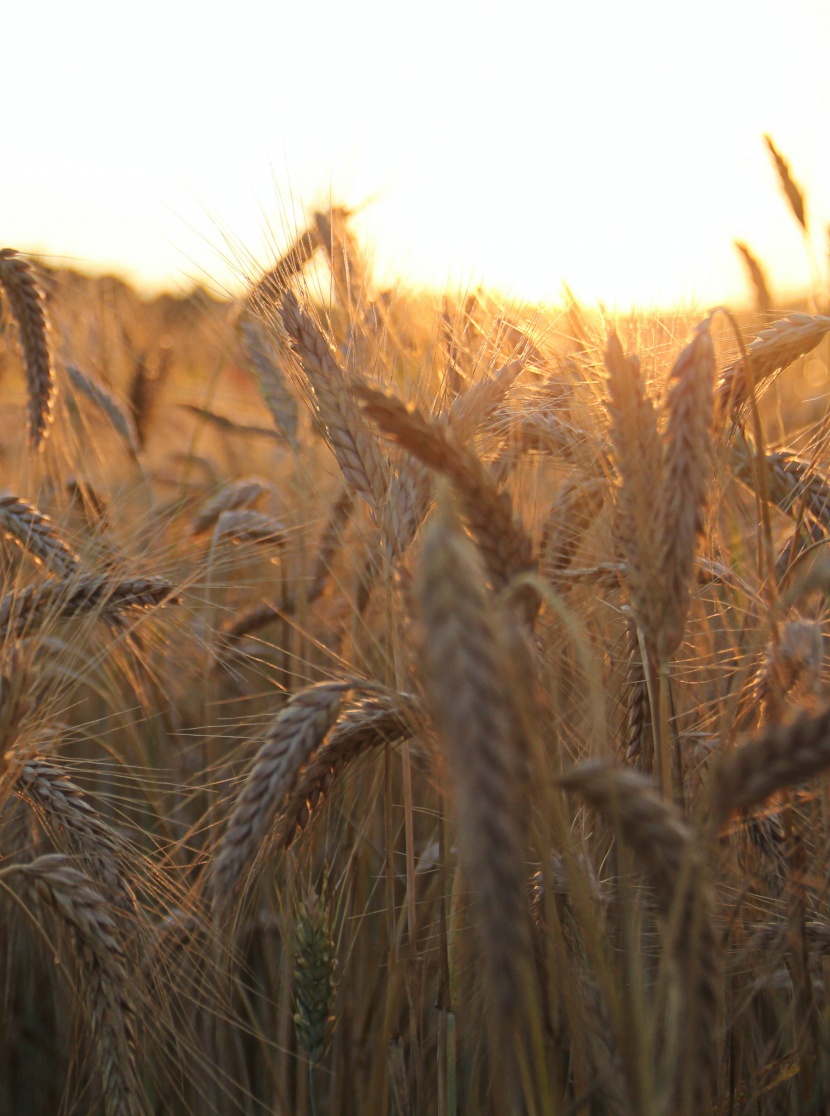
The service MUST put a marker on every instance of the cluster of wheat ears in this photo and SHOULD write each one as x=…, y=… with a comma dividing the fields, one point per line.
x=461, y=759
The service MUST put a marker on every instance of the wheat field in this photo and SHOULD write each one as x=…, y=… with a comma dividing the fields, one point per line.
x=411, y=705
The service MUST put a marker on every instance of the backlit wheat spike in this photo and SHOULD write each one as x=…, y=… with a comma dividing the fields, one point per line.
x=273, y=383
x=340, y=246
x=106, y=986
x=268, y=291
x=687, y=478
x=25, y=300
x=763, y=302
x=150, y=373
x=68, y=815
x=773, y=350
x=352, y=442
x=292, y=737
x=792, y=193
x=36, y=534
x=25, y=610
x=791, y=481
x=572, y=513
x=794, y=661
x=473, y=711
x=237, y=494
x=666, y=848
x=475, y=405
x=370, y=724
x=118, y=417
x=779, y=756
x=638, y=460
x=505, y=545
x=407, y=504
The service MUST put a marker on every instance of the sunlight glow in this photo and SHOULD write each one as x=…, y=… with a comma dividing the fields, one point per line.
x=614, y=147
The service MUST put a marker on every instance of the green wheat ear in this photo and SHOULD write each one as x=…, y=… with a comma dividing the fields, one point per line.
x=314, y=977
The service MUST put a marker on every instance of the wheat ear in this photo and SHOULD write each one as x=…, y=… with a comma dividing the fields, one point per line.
x=291, y=739
x=68, y=816
x=773, y=350
x=107, y=987
x=371, y=724
x=576, y=507
x=352, y=442
x=638, y=460
x=118, y=417
x=757, y=278
x=273, y=383
x=687, y=478
x=793, y=194
x=778, y=757
x=36, y=534
x=26, y=610
x=474, y=714
x=502, y=539
x=26, y=301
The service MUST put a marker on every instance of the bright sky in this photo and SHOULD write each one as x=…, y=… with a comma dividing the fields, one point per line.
x=615, y=146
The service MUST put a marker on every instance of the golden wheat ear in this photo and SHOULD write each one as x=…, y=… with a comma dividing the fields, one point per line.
x=687, y=479
x=468, y=696
x=293, y=736
x=25, y=299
